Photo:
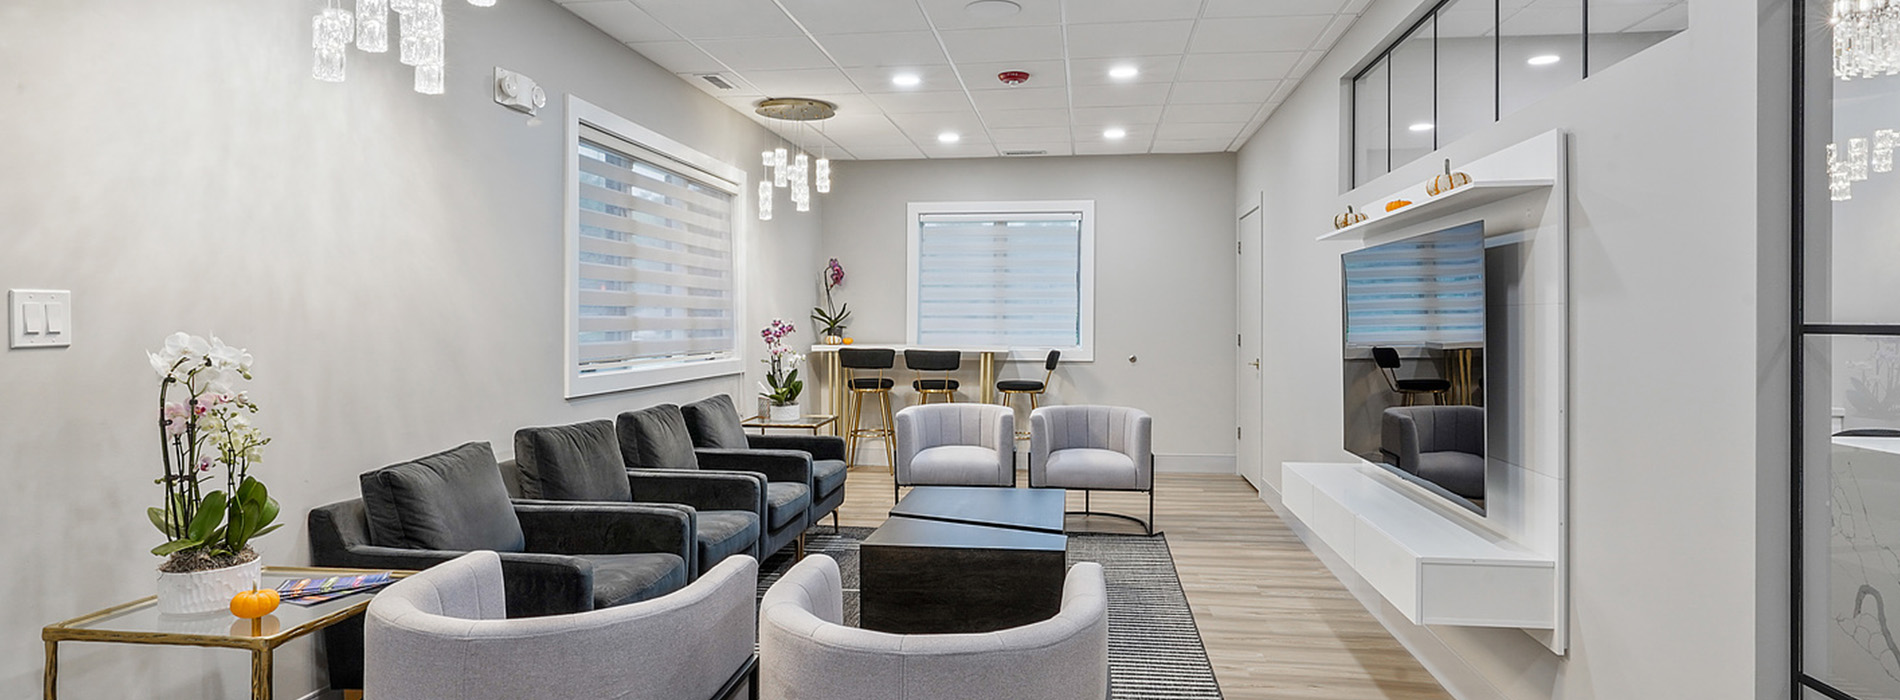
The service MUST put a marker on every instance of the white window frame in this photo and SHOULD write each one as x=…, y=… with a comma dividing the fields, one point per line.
x=578, y=385
x=1085, y=351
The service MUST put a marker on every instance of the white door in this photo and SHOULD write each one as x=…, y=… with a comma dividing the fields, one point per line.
x=1247, y=375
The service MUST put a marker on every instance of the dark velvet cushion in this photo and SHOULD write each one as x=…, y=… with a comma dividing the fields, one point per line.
x=827, y=476
x=935, y=385
x=1019, y=385
x=714, y=423
x=723, y=533
x=872, y=383
x=452, y=500
x=655, y=438
x=579, y=462
x=785, y=501
x=620, y=579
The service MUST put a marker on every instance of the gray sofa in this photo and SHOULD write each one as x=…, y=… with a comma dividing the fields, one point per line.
x=715, y=425
x=1440, y=444
x=806, y=653
x=656, y=439
x=443, y=633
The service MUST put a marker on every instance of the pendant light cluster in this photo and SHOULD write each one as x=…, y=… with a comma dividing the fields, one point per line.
x=799, y=173
x=421, y=37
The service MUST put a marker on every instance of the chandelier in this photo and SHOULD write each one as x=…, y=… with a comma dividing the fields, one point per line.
x=1866, y=38
x=420, y=37
x=799, y=174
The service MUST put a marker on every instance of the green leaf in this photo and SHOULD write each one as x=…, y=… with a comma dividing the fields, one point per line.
x=265, y=531
x=791, y=377
x=175, y=545
x=267, y=514
x=210, y=513
x=158, y=520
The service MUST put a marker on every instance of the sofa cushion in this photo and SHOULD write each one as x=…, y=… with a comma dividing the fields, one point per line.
x=723, y=533
x=956, y=465
x=452, y=500
x=620, y=579
x=1461, y=473
x=714, y=423
x=827, y=476
x=1091, y=468
x=785, y=502
x=579, y=462
x=655, y=438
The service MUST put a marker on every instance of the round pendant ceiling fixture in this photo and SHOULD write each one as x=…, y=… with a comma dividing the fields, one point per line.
x=798, y=172
x=796, y=109
x=992, y=9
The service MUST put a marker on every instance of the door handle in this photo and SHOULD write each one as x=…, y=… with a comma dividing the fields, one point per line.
x=1255, y=363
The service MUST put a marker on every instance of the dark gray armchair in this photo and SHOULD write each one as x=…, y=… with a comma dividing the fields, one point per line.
x=582, y=462
x=1440, y=444
x=715, y=425
x=656, y=440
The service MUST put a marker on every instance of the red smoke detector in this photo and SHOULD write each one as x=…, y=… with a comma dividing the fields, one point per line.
x=1013, y=77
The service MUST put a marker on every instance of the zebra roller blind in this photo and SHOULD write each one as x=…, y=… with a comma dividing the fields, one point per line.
x=1009, y=280
x=1426, y=289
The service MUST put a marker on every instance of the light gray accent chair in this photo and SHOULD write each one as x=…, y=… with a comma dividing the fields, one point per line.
x=956, y=444
x=806, y=653
x=1440, y=444
x=1094, y=448
x=443, y=633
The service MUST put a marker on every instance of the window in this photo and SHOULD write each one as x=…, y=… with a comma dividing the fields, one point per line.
x=1019, y=275
x=653, y=288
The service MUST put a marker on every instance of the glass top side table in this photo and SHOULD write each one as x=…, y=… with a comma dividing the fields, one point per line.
x=812, y=422
x=139, y=622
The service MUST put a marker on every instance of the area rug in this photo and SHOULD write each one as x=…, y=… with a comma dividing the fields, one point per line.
x=1154, y=648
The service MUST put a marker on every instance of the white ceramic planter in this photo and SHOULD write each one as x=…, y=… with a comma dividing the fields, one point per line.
x=205, y=591
x=786, y=413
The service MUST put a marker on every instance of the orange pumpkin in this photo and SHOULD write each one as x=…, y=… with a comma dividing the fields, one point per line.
x=1395, y=204
x=849, y=340
x=255, y=603
x=1347, y=219
x=1447, y=182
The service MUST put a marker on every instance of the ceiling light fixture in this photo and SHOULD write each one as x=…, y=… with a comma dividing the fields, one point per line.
x=1544, y=60
x=784, y=169
x=1421, y=126
x=992, y=9
x=949, y=137
x=906, y=80
x=1013, y=78
x=1123, y=72
x=420, y=44
x=1115, y=133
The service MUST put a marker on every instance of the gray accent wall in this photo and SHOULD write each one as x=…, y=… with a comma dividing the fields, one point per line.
x=393, y=260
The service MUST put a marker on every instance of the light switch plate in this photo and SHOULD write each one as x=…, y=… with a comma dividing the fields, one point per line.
x=40, y=318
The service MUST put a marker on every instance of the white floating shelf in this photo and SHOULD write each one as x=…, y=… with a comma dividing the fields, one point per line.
x=1470, y=196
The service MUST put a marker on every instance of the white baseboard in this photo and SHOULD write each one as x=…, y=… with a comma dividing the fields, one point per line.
x=1194, y=464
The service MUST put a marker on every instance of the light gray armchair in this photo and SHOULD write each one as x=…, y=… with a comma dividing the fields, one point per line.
x=1440, y=444
x=1094, y=448
x=956, y=444
x=442, y=634
x=807, y=654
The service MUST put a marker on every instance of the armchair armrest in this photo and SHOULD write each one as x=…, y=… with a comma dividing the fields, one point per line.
x=703, y=490
x=558, y=527
x=1398, y=437
x=819, y=446
x=777, y=465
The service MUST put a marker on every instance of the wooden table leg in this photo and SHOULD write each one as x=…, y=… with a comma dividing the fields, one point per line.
x=261, y=674
x=986, y=373
x=52, y=670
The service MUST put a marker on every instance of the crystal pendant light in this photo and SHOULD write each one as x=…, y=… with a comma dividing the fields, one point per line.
x=821, y=175
x=372, y=25
x=1839, y=187
x=331, y=32
x=765, y=200
x=1856, y=159
x=780, y=164
x=1866, y=38
x=1884, y=142
x=789, y=166
x=801, y=184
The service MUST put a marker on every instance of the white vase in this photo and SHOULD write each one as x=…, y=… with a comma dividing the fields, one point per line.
x=786, y=413
x=205, y=591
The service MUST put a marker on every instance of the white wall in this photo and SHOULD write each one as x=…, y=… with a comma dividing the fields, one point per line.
x=392, y=259
x=1164, y=276
x=1676, y=291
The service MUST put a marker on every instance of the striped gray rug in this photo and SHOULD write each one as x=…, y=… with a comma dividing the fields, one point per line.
x=1154, y=648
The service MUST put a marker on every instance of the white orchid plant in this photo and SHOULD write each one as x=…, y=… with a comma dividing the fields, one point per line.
x=783, y=364
x=204, y=435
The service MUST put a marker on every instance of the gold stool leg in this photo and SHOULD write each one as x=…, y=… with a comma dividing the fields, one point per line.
x=890, y=434
x=851, y=431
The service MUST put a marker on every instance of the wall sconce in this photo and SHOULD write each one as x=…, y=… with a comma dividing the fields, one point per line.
x=518, y=92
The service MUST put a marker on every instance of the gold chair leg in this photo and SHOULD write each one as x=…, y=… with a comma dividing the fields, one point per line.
x=890, y=435
x=851, y=430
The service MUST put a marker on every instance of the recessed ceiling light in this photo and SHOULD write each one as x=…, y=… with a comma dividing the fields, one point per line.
x=948, y=137
x=1421, y=126
x=906, y=80
x=1123, y=72
x=1114, y=133
x=1544, y=60
x=992, y=9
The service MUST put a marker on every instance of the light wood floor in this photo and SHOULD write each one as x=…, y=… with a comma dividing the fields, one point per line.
x=1275, y=622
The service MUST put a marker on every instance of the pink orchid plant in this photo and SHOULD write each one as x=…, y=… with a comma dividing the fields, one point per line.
x=207, y=430
x=831, y=319
x=783, y=376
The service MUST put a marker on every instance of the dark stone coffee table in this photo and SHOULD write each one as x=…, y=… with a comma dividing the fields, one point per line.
x=964, y=559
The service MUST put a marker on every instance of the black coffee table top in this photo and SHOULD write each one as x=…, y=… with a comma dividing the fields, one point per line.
x=909, y=532
x=1036, y=510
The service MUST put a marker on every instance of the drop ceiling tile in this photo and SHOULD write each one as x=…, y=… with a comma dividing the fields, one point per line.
x=721, y=19
x=1132, y=133
x=1049, y=148
x=1222, y=92
x=1123, y=39
x=1021, y=98
x=850, y=103
x=1030, y=134
x=678, y=56
x=869, y=135
x=1099, y=11
x=1199, y=131
x=1005, y=44
x=781, y=83
x=1153, y=69
x=950, y=14
x=740, y=88
x=895, y=103
x=1466, y=20
x=1306, y=65
x=924, y=128
x=982, y=75
x=1116, y=116
x=834, y=17
x=1189, y=145
x=884, y=49
x=1026, y=117
x=1206, y=114
x=1119, y=95
x=840, y=177
x=1271, y=8
x=622, y=20
x=1238, y=66
x=878, y=80
x=1244, y=34
x=1111, y=148
x=776, y=53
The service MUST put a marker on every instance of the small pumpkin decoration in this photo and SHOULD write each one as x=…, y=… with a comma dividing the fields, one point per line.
x=1441, y=184
x=849, y=340
x=1397, y=204
x=254, y=603
x=1349, y=218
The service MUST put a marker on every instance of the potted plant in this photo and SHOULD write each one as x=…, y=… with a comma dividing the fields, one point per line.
x=831, y=319
x=213, y=506
x=785, y=385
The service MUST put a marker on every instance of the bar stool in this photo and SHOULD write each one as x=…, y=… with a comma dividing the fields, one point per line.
x=852, y=360
x=945, y=361
x=1012, y=388
x=1408, y=389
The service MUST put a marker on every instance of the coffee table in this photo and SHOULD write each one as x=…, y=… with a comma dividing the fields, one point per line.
x=964, y=559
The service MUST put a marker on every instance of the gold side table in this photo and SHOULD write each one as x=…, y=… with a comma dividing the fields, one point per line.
x=139, y=622
x=812, y=422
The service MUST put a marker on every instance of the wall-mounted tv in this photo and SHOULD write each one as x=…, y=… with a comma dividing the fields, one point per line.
x=1414, y=337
